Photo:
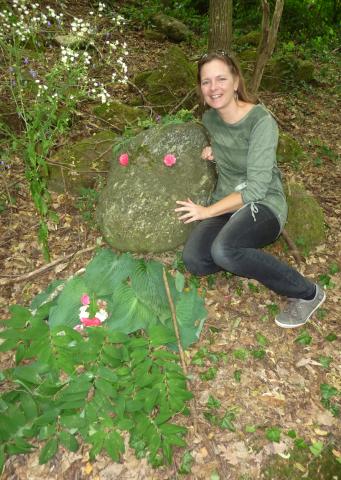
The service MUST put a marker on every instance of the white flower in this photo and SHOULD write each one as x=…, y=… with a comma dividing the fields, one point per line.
x=102, y=315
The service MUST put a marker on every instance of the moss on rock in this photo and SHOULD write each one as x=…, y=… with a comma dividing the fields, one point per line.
x=252, y=38
x=283, y=71
x=118, y=114
x=170, y=82
x=174, y=30
x=289, y=151
x=81, y=164
x=305, y=223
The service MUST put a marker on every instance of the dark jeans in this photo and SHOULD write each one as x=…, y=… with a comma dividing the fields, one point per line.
x=232, y=242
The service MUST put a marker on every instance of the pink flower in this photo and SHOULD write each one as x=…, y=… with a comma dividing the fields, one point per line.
x=79, y=328
x=169, y=160
x=123, y=159
x=85, y=299
x=90, y=322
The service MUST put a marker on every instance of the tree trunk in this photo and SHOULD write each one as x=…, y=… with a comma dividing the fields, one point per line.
x=220, y=25
x=267, y=42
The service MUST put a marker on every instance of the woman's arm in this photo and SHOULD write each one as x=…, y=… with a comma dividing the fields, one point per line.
x=192, y=211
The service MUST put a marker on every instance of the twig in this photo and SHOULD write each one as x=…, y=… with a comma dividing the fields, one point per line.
x=292, y=246
x=188, y=95
x=27, y=276
x=193, y=408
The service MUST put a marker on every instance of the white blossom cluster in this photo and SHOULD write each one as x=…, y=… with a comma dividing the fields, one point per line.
x=80, y=28
x=26, y=19
x=99, y=91
x=119, y=21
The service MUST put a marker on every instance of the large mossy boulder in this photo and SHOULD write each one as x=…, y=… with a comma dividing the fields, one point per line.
x=172, y=28
x=79, y=165
x=119, y=115
x=305, y=223
x=136, y=209
x=282, y=72
x=166, y=86
x=289, y=151
x=252, y=38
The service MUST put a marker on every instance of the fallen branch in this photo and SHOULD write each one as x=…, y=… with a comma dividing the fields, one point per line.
x=294, y=250
x=27, y=276
x=181, y=351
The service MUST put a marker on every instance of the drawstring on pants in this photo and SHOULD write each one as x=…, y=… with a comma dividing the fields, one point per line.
x=254, y=210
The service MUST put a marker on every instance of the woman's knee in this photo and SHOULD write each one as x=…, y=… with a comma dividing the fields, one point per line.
x=224, y=256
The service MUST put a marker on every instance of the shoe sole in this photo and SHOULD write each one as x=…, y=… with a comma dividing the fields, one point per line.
x=285, y=325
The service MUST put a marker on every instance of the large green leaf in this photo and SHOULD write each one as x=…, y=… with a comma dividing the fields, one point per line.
x=66, y=310
x=48, y=451
x=190, y=315
x=107, y=270
x=42, y=297
x=129, y=313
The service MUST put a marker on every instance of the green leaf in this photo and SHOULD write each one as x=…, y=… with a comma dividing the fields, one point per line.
x=273, y=434
x=48, y=451
x=107, y=270
x=213, y=402
x=237, y=374
x=29, y=406
x=304, y=338
x=66, y=309
x=161, y=335
x=191, y=315
x=334, y=268
x=68, y=441
x=263, y=341
x=316, y=448
x=258, y=354
x=19, y=445
x=179, y=281
x=114, y=445
x=327, y=391
x=2, y=458
x=300, y=443
x=292, y=434
x=186, y=463
x=42, y=297
x=209, y=374
x=250, y=428
x=240, y=354
x=325, y=361
x=331, y=337
x=227, y=421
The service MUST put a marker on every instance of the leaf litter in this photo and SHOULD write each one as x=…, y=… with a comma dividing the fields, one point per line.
x=280, y=390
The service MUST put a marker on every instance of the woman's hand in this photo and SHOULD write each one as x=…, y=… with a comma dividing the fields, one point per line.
x=192, y=211
x=207, y=153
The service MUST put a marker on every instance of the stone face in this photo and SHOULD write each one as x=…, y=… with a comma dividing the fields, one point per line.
x=79, y=165
x=174, y=78
x=136, y=209
x=172, y=28
x=305, y=223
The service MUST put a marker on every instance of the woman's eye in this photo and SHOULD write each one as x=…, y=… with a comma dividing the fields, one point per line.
x=222, y=79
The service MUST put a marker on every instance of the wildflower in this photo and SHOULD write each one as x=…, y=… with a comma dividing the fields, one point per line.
x=85, y=299
x=26, y=61
x=169, y=160
x=123, y=159
x=91, y=322
x=158, y=118
x=33, y=73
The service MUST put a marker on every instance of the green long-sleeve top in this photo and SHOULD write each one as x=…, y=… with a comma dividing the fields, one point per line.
x=245, y=155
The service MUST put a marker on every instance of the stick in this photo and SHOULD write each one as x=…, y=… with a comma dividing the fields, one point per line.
x=292, y=246
x=181, y=352
x=27, y=276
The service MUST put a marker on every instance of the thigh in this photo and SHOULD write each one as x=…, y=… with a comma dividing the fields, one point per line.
x=250, y=228
x=197, y=251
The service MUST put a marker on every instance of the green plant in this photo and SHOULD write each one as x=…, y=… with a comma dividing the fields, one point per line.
x=86, y=204
x=46, y=89
x=327, y=393
x=90, y=386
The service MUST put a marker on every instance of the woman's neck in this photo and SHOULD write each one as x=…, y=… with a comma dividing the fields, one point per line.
x=235, y=111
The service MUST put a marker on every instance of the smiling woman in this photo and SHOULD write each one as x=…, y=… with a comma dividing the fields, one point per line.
x=248, y=208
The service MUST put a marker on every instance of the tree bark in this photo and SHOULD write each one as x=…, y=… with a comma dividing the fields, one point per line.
x=267, y=42
x=220, y=25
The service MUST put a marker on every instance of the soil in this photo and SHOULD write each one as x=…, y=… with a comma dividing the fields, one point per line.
x=282, y=389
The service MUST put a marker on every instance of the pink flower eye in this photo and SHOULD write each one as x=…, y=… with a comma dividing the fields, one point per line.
x=169, y=160
x=123, y=159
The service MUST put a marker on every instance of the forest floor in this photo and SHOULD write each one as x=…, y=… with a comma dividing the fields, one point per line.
x=280, y=390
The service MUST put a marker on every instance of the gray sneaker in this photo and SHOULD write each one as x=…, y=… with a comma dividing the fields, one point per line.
x=298, y=311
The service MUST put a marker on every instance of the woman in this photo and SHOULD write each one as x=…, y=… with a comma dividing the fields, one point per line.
x=248, y=208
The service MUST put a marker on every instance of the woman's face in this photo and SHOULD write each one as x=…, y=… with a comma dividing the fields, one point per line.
x=218, y=84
